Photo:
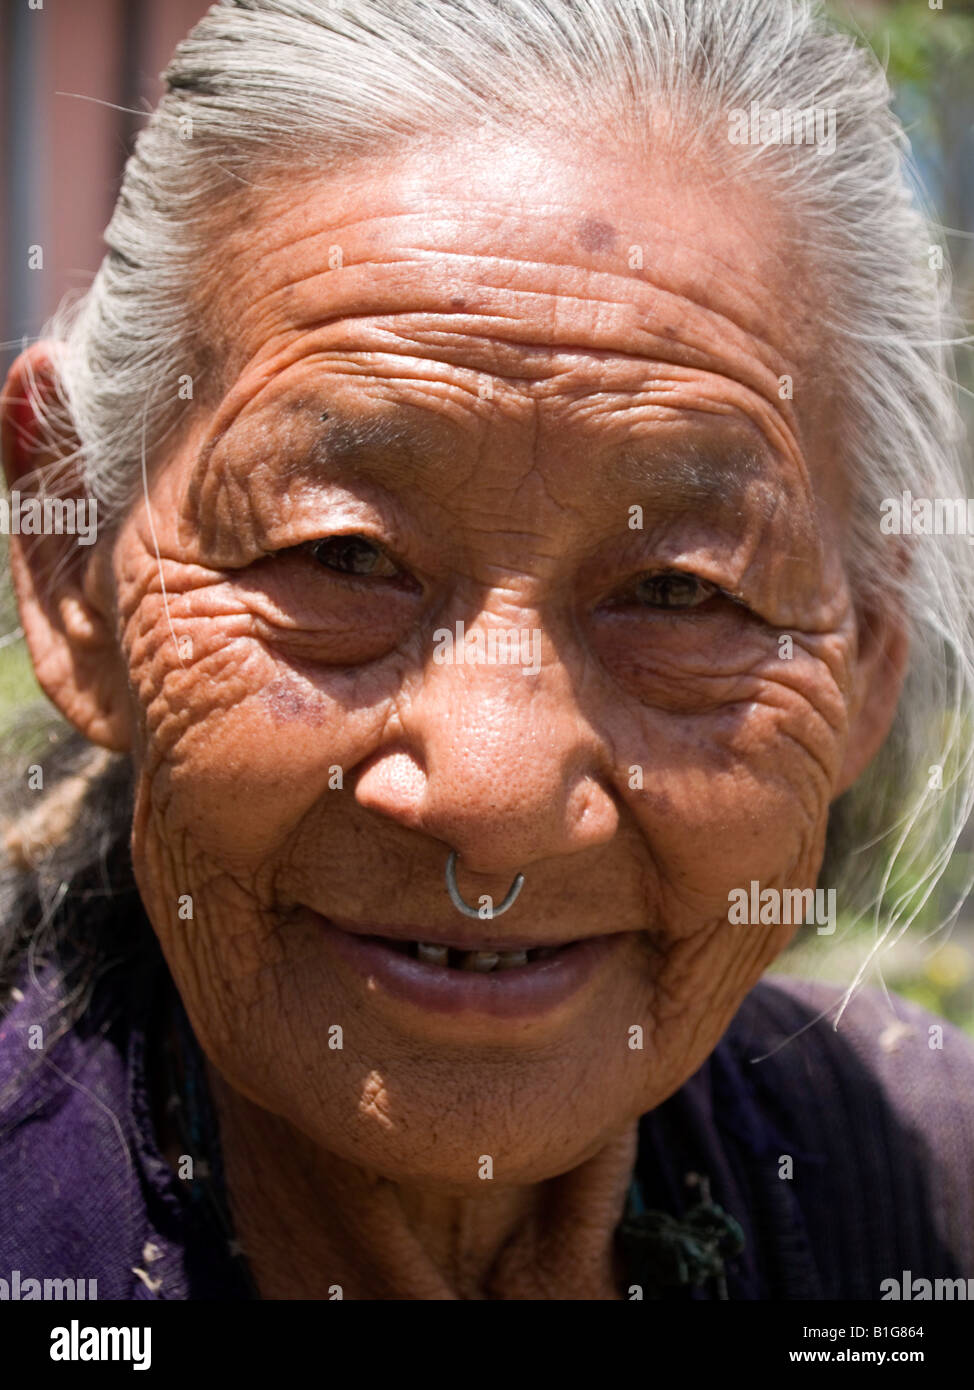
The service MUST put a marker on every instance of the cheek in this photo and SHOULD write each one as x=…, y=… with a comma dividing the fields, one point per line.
x=239, y=741
x=242, y=774
x=737, y=793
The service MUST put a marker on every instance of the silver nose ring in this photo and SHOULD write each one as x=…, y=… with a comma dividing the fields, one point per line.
x=461, y=906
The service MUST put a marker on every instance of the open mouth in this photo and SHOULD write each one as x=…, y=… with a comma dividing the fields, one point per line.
x=449, y=977
x=480, y=961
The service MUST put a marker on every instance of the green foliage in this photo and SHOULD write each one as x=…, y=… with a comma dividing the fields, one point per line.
x=914, y=42
x=18, y=686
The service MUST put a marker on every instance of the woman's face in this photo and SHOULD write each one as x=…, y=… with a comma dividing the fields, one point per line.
x=490, y=364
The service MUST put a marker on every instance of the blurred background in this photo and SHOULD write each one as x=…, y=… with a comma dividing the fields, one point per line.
x=75, y=78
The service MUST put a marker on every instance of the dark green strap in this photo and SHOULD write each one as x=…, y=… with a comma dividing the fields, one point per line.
x=663, y=1252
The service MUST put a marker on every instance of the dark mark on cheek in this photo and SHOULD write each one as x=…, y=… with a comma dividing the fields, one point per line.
x=596, y=235
x=660, y=800
x=458, y=302
x=288, y=704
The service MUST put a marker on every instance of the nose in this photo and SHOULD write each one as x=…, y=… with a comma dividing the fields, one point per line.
x=500, y=765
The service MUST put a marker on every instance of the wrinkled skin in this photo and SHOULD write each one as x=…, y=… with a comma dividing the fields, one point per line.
x=487, y=301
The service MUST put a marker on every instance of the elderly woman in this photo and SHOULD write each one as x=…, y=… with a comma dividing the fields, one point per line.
x=489, y=407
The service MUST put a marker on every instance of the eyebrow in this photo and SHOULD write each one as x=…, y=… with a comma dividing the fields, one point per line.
x=694, y=471
x=349, y=438
x=725, y=471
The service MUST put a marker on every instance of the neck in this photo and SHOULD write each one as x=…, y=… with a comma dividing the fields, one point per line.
x=309, y=1220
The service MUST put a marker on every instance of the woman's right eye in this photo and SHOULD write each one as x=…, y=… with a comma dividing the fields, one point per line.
x=356, y=556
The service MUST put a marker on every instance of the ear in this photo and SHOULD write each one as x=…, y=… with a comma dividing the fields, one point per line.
x=63, y=581
x=881, y=664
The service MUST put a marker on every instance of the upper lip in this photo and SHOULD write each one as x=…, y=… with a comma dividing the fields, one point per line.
x=460, y=938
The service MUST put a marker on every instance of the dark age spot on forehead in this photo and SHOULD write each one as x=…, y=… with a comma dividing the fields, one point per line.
x=595, y=235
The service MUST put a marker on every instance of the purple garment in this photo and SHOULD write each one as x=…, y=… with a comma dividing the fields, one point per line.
x=879, y=1130
x=85, y=1192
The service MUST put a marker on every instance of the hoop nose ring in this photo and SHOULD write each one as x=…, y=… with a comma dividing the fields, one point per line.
x=461, y=906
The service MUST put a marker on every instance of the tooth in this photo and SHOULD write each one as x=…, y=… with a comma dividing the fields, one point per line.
x=506, y=960
x=432, y=954
x=482, y=961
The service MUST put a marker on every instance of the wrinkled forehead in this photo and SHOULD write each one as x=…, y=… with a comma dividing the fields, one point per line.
x=530, y=225
x=580, y=268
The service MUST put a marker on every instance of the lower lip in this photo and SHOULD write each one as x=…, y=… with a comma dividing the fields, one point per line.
x=522, y=992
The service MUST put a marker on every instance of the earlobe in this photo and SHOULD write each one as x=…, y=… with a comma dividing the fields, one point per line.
x=62, y=587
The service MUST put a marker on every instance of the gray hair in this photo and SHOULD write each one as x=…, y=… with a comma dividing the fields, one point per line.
x=263, y=87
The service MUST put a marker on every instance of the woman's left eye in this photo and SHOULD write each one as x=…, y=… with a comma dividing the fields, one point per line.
x=352, y=555
x=674, y=590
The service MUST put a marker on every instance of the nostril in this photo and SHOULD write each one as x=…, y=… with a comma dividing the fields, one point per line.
x=592, y=813
x=391, y=780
